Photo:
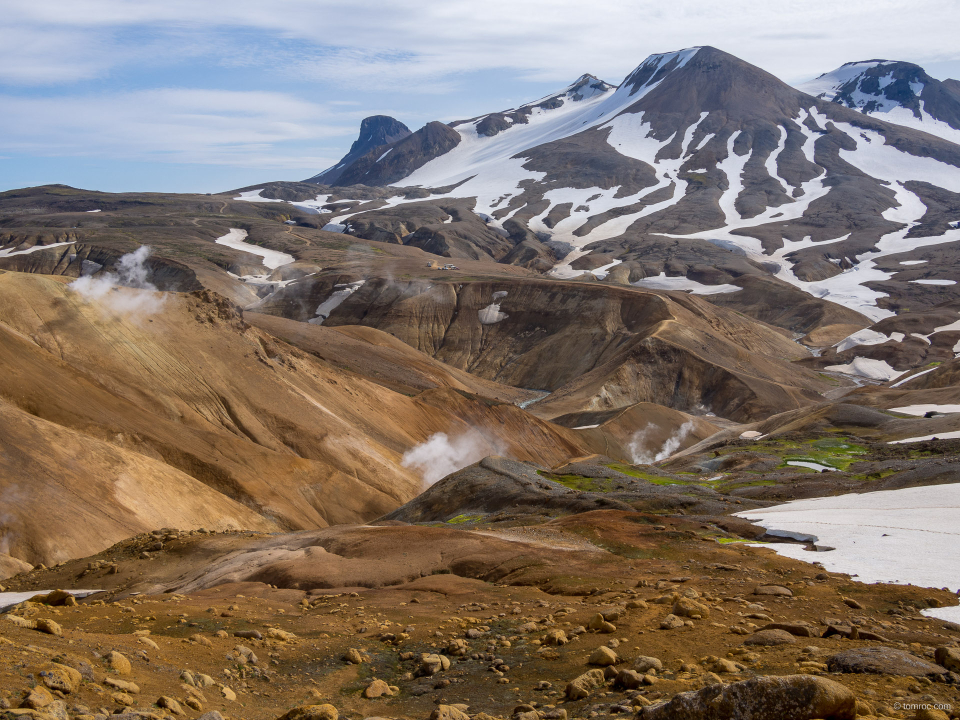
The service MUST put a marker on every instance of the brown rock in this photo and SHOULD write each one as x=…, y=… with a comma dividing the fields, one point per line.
x=884, y=661
x=123, y=699
x=377, y=688
x=281, y=635
x=628, y=679
x=797, y=629
x=581, y=686
x=118, y=663
x=602, y=657
x=686, y=607
x=770, y=637
x=931, y=713
x=791, y=697
x=312, y=712
x=168, y=703
x=62, y=678
x=448, y=712
x=775, y=590
x=598, y=624
x=353, y=656
x=949, y=658
x=49, y=627
x=645, y=664
x=37, y=698
x=555, y=637
x=671, y=622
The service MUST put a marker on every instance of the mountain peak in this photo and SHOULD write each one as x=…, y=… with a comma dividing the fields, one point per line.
x=375, y=131
x=901, y=91
x=872, y=85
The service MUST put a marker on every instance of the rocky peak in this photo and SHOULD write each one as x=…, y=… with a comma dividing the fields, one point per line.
x=375, y=131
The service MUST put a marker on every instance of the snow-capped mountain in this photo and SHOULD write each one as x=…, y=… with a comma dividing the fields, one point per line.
x=698, y=172
x=897, y=92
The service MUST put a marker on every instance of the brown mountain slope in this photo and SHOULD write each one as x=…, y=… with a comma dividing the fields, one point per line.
x=598, y=347
x=201, y=394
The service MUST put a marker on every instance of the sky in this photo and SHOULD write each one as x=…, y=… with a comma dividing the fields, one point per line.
x=209, y=95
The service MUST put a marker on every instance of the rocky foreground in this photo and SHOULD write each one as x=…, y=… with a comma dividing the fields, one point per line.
x=598, y=614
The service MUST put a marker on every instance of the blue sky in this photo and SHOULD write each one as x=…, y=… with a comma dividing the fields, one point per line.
x=205, y=95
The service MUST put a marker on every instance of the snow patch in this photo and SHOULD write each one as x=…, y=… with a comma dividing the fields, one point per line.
x=921, y=410
x=335, y=300
x=663, y=282
x=272, y=259
x=868, y=368
x=894, y=536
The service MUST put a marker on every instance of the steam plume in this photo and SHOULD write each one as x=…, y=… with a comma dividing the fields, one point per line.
x=641, y=456
x=132, y=272
x=439, y=455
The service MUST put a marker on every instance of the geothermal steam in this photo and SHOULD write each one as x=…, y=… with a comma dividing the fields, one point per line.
x=641, y=456
x=141, y=299
x=439, y=455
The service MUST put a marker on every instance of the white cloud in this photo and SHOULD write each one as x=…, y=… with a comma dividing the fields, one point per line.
x=376, y=42
x=175, y=125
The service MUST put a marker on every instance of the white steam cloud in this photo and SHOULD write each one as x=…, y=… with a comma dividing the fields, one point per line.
x=141, y=299
x=639, y=453
x=439, y=455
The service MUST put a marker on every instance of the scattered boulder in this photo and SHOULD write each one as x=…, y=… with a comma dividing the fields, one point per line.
x=378, y=688
x=55, y=598
x=312, y=712
x=581, y=686
x=37, y=698
x=725, y=665
x=599, y=624
x=49, y=627
x=60, y=677
x=555, y=637
x=168, y=703
x=686, y=607
x=457, y=648
x=118, y=663
x=797, y=629
x=281, y=635
x=603, y=656
x=353, y=656
x=775, y=590
x=431, y=664
x=671, y=622
x=645, y=664
x=448, y=712
x=628, y=680
x=249, y=634
x=770, y=637
x=931, y=713
x=121, y=685
x=790, y=697
x=949, y=658
x=883, y=661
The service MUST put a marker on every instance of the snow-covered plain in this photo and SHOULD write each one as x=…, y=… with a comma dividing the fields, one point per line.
x=896, y=536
